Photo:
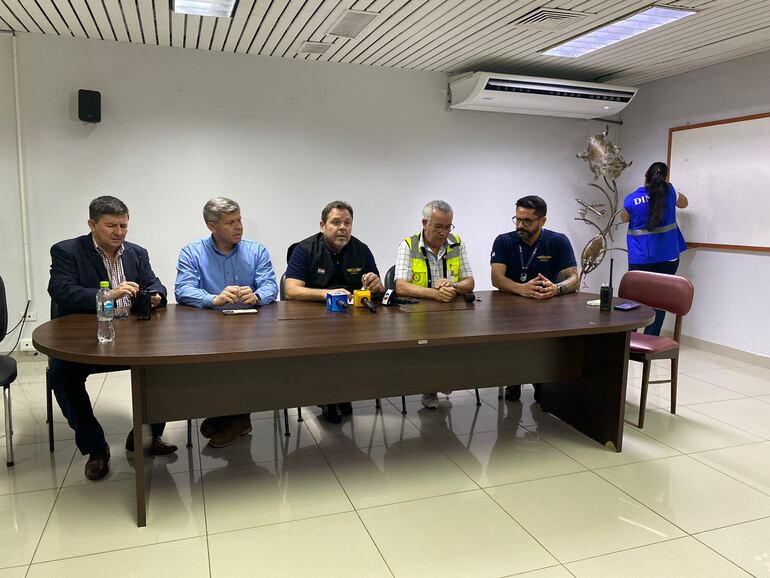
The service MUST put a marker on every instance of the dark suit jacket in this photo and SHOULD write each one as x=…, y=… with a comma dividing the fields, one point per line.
x=77, y=269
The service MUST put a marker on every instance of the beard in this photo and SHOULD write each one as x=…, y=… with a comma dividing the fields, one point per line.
x=523, y=235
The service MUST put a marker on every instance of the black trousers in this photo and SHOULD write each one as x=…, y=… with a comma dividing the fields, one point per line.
x=68, y=382
x=667, y=267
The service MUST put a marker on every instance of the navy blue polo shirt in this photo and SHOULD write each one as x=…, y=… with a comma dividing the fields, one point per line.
x=554, y=254
x=299, y=264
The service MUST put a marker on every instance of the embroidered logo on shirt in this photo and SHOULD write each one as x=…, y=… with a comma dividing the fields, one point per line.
x=321, y=271
x=354, y=270
x=416, y=277
x=543, y=258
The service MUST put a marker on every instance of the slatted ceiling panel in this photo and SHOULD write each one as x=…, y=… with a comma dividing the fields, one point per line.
x=281, y=29
x=447, y=36
x=221, y=29
x=30, y=15
x=162, y=21
x=256, y=43
x=147, y=19
x=391, y=16
x=191, y=30
x=471, y=39
x=177, y=29
x=422, y=43
x=53, y=15
x=101, y=19
x=256, y=23
x=73, y=22
x=303, y=26
x=9, y=19
x=291, y=33
x=115, y=15
x=207, y=32
x=131, y=18
x=451, y=39
x=244, y=23
x=709, y=55
x=420, y=23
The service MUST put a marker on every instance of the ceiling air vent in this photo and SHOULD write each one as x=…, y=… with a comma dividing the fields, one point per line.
x=352, y=23
x=314, y=47
x=549, y=18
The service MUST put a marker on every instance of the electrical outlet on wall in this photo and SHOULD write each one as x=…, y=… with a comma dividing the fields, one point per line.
x=26, y=345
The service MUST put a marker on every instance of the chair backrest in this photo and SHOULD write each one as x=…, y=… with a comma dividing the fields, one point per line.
x=289, y=251
x=671, y=293
x=281, y=287
x=390, y=278
x=3, y=311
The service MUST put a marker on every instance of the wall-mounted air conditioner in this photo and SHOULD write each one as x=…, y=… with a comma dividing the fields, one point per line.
x=533, y=95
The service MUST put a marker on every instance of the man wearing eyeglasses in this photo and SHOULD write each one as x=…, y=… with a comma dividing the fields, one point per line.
x=433, y=264
x=533, y=262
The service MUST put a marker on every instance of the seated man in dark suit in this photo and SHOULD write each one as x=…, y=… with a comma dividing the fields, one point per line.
x=332, y=259
x=77, y=267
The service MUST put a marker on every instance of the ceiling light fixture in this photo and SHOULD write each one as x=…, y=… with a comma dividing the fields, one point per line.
x=637, y=23
x=215, y=8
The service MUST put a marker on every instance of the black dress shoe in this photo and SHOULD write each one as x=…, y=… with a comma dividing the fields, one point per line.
x=157, y=448
x=512, y=392
x=346, y=407
x=331, y=413
x=98, y=465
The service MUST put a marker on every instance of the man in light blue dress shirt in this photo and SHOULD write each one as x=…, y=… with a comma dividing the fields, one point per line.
x=224, y=270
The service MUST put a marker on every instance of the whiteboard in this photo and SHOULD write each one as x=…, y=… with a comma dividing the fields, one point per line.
x=724, y=169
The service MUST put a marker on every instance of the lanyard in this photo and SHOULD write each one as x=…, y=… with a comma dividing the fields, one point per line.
x=523, y=276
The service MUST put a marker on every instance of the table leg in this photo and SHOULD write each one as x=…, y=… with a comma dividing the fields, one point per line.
x=140, y=471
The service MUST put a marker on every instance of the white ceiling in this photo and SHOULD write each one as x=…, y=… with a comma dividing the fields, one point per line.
x=449, y=36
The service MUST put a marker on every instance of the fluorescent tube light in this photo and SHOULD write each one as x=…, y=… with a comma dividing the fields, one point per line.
x=606, y=35
x=215, y=8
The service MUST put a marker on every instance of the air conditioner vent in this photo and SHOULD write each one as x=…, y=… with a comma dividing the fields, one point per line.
x=314, y=47
x=549, y=18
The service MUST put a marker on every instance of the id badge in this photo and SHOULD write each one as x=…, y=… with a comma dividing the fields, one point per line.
x=523, y=278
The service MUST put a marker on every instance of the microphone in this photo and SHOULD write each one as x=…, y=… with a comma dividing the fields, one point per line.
x=362, y=298
x=368, y=304
x=390, y=299
x=469, y=297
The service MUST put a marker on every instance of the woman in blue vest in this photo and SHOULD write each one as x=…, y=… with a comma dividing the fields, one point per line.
x=654, y=239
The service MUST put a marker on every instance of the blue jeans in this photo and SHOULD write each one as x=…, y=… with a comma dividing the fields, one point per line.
x=667, y=267
x=68, y=382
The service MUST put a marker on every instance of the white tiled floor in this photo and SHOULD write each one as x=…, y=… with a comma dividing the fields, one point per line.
x=497, y=490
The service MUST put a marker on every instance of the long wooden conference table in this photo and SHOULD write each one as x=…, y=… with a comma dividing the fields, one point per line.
x=192, y=363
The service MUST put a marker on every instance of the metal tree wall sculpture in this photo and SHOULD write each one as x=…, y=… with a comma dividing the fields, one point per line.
x=605, y=161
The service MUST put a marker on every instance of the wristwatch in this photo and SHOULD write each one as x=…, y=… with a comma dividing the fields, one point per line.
x=558, y=289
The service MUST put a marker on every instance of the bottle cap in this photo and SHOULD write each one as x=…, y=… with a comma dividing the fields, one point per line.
x=105, y=284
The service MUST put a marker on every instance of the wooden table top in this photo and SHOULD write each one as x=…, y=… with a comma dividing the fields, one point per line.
x=180, y=334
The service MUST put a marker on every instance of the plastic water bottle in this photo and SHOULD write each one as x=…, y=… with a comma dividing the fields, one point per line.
x=105, y=311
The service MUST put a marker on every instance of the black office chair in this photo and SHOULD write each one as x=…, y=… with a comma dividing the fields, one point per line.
x=49, y=394
x=7, y=377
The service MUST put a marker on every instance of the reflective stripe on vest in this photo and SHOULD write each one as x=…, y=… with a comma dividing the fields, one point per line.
x=421, y=272
x=655, y=231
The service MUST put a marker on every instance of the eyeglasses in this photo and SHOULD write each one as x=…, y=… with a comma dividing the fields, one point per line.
x=448, y=228
x=525, y=222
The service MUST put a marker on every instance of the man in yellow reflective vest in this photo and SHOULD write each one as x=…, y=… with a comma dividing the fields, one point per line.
x=433, y=264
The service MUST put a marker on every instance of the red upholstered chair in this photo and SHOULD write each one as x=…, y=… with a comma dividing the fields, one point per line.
x=673, y=294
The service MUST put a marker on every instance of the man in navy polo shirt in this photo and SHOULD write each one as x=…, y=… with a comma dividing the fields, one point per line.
x=532, y=262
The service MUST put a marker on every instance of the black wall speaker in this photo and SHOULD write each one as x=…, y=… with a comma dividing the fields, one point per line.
x=89, y=105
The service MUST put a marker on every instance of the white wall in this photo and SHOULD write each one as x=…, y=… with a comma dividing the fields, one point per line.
x=11, y=253
x=730, y=287
x=282, y=138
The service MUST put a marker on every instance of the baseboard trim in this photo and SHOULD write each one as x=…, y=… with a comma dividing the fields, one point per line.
x=737, y=354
